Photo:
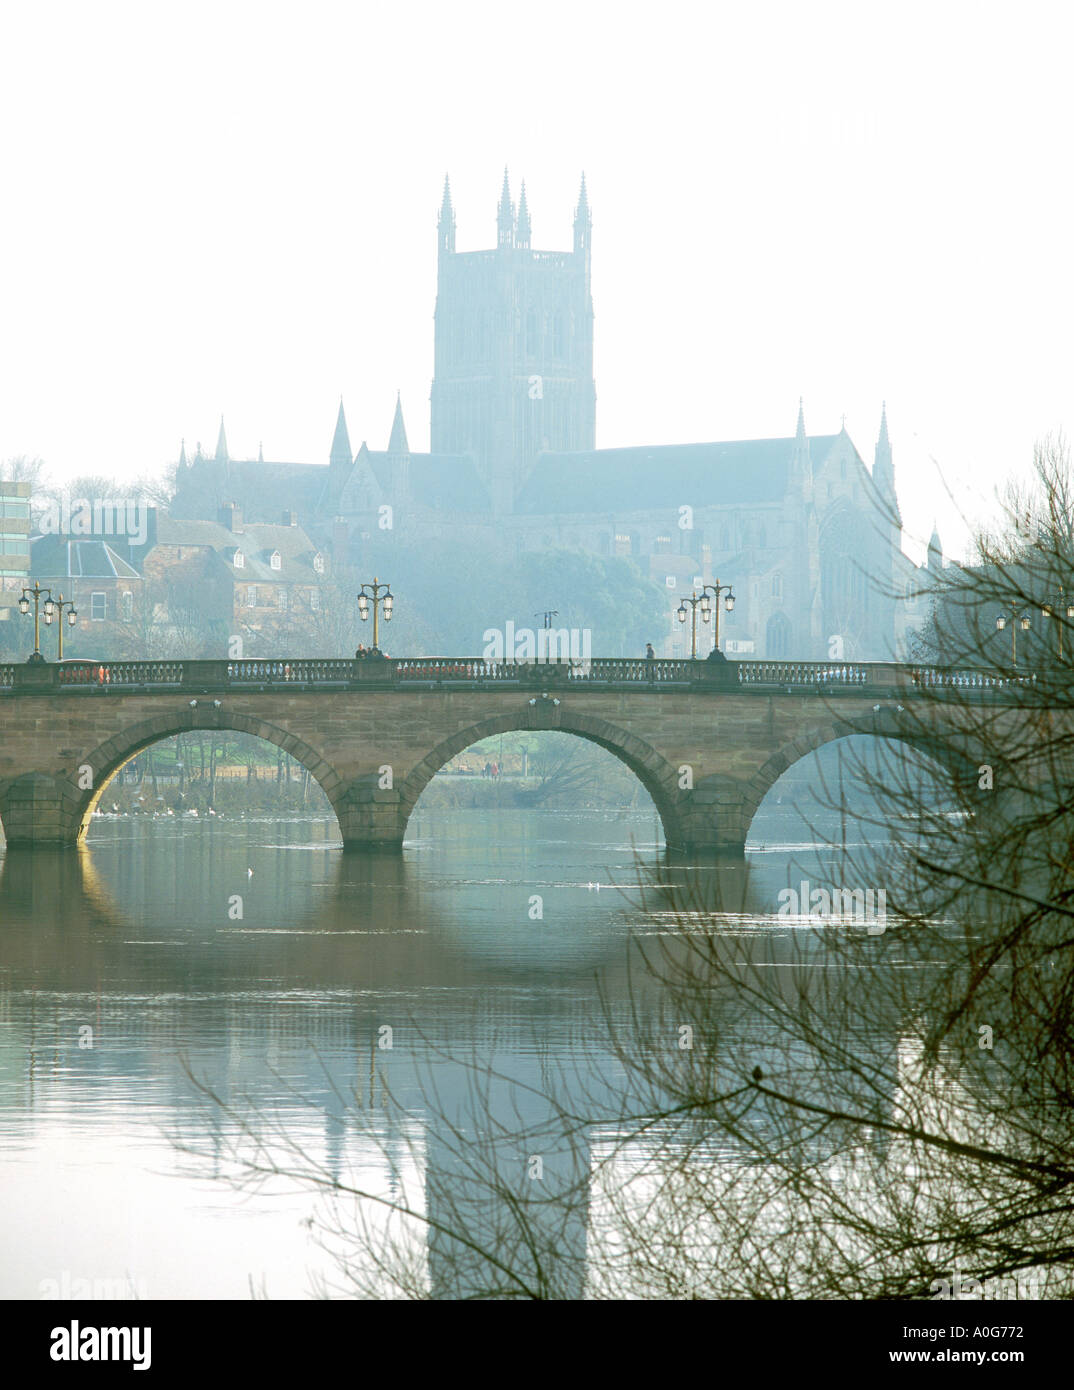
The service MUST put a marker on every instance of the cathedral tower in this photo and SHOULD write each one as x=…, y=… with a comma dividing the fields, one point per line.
x=513, y=369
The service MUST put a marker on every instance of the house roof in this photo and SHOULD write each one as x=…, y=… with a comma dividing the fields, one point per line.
x=744, y=471
x=77, y=557
x=257, y=541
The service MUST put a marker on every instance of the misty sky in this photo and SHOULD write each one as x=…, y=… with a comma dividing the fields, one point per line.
x=231, y=208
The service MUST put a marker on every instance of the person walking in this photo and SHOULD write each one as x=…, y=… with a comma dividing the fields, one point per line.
x=650, y=655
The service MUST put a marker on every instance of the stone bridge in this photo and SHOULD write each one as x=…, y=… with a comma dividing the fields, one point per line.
x=706, y=740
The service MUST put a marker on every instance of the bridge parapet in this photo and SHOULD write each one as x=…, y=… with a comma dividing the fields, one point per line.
x=439, y=672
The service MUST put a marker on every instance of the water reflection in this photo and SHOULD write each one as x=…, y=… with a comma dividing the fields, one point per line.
x=257, y=958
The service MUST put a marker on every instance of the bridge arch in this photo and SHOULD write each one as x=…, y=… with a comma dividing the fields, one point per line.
x=937, y=744
x=109, y=757
x=652, y=770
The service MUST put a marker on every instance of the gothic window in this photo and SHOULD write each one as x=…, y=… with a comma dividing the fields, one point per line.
x=843, y=468
x=777, y=637
x=240, y=559
x=275, y=560
x=763, y=539
x=725, y=538
x=777, y=586
x=251, y=596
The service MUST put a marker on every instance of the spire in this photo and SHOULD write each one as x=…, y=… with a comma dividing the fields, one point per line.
x=801, y=464
x=445, y=223
x=522, y=237
x=884, y=468
x=221, y=444
x=260, y=453
x=341, y=456
x=505, y=215
x=935, y=552
x=182, y=453
x=583, y=220
x=397, y=443
x=583, y=201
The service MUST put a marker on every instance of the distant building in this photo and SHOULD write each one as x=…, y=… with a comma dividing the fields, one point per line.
x=14, y=530
x=105, y=587
x=234, y=576
x=14, y=553
x=807, y=534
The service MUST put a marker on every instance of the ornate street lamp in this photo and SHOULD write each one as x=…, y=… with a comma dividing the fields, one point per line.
x=728, y=602
x=39, y=597
x=1060, y=605
x=59, y=605
x=706, y=613
x=382, y=597
x=1016, y=621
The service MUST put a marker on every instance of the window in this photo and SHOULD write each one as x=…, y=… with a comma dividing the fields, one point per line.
x=763, y=541
x=240, y=559
x=318, y=563
x=274, y=560
x=843, y=468
x=251, y=596
x=15, y=545
x=315, y=599
x=98, y=607
x=777, y=586
x=281, y=598
x=128, y=607
x=13, y=507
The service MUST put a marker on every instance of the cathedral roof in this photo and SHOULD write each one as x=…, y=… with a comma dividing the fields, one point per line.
x=646, y=478
x=442, y=482
x=264, y=490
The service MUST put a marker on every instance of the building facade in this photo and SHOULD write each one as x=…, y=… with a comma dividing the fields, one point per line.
x=809, y=536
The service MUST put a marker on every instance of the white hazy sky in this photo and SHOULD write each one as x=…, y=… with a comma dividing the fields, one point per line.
x=231, y=208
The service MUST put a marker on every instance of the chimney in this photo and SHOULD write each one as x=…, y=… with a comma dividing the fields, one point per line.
x=290, y=518
x=231, y=517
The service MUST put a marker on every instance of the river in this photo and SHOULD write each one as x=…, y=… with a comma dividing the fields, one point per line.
x=253, y=958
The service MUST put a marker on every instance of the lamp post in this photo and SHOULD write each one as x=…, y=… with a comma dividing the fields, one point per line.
x=547, y=614
x=382, y=597
x=59, y=605
x=729, y=604
x=39, y=596
x=1061, y=605
x=1016, y=621
x=706, y=613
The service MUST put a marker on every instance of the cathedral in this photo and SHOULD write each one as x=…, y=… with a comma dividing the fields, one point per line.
x=809, y=536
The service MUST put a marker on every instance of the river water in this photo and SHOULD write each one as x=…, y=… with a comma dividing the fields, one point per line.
x=254, y=959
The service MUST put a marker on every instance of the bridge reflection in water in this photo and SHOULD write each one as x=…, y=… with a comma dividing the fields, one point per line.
x=498, y=1056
